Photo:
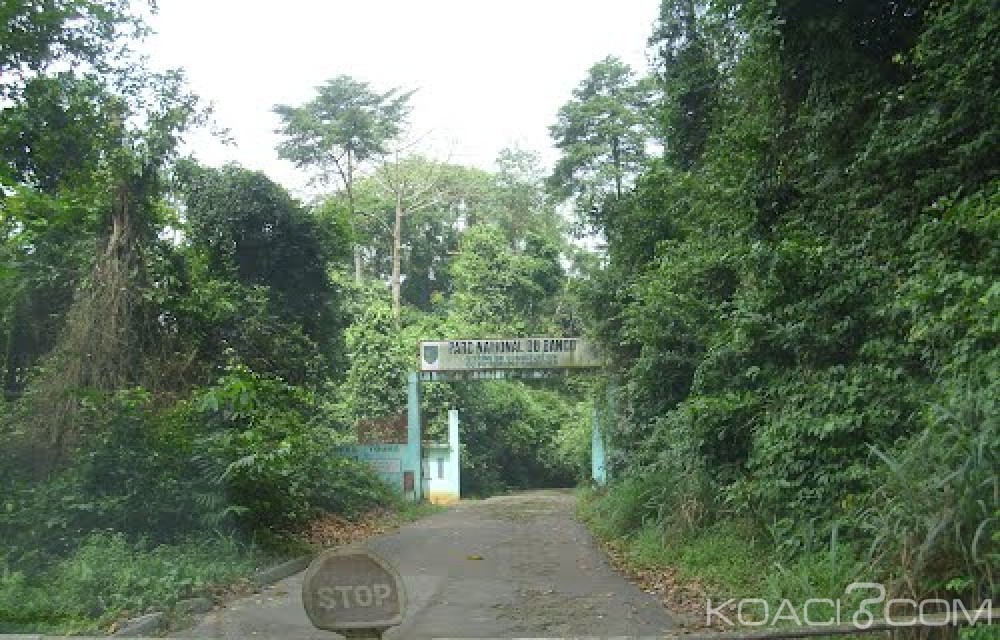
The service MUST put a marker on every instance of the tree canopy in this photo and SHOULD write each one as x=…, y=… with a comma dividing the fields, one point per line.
x=603, y=134
x=347, y=123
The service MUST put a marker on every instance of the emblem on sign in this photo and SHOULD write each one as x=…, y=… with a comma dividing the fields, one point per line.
x=430, y=353
x=455, y=357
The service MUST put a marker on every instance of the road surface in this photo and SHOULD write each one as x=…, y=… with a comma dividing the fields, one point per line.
x=509, y=566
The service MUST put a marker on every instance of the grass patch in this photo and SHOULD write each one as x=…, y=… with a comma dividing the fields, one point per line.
x=724, y=556
x=108, y=577
x=725, y=559
x=411, y=512
x=727, y=556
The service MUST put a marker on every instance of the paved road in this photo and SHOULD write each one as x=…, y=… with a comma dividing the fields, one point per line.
x=541, y=575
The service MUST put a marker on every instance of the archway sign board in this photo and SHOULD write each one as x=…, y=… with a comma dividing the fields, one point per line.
x=504, y=358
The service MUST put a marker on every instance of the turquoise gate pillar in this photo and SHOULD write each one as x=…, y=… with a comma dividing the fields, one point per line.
x=455, y=463
x=598, y=470
x=599, y=430
x=413, y=462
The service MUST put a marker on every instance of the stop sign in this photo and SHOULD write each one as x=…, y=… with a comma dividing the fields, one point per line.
x=352, y=589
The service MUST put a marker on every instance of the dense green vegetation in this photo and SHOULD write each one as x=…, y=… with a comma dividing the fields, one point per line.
x=798, y=293
x=183, y=346
x=801, y=291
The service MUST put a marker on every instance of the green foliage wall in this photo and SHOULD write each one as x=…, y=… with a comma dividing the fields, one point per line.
x=801, y=292
x=510, y=437
x=248, y=228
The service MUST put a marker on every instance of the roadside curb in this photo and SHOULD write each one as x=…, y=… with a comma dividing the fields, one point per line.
x=281, y=571
x=152, y=623
x=15, y=636
x=193, y=605
x=144, y=625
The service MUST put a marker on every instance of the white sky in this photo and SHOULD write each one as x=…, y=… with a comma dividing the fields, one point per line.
x=489, y=74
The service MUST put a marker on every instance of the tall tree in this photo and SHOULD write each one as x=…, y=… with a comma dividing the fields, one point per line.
x=247, y=229
x=345, y=125
x=412, y=184
x=437, y=200
x=603, y=133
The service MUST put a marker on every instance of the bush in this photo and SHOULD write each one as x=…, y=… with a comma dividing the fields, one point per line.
x=130, y=471
x=934, y=515
x=626, y=506
x=108, y=577
x=510, y=437
x=247, y=453
x=573, y=441
x=276, y=467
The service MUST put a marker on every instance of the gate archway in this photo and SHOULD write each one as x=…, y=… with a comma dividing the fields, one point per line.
x=495, y=359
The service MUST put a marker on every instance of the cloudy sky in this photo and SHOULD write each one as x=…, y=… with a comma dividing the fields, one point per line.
x=488, y=74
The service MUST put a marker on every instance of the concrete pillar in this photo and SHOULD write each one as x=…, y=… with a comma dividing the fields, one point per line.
x=454, y=471
x=413, y=462
x=598, y=470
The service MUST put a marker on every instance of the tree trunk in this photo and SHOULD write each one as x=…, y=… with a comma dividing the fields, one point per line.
x=357, y=264
x=397, y=237
x=617, y=161
x=350, y=209
x=97, y=348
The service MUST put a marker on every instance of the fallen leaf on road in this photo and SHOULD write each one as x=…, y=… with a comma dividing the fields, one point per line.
x=679, y=595
x=333, y=530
